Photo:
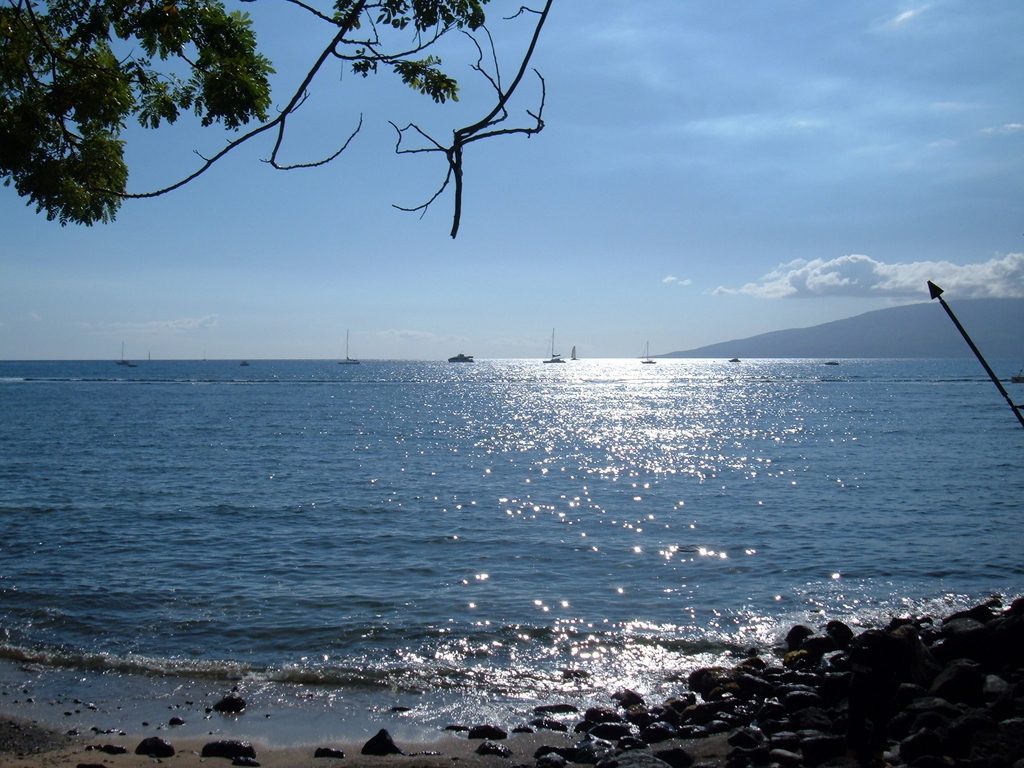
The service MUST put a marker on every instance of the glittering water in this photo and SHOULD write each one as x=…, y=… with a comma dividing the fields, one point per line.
x=476, y=530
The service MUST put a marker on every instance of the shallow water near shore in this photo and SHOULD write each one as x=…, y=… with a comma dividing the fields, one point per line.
x=467, y=540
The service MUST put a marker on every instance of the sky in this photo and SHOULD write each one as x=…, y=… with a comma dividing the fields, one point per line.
x=708, y=171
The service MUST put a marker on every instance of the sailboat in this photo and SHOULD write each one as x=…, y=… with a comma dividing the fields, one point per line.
x=122, y=361
x=647, y=355
x=555, y=357
x=572, y=355
x=348, y=360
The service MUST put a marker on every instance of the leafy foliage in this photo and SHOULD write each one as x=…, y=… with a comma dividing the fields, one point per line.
x=66, y=95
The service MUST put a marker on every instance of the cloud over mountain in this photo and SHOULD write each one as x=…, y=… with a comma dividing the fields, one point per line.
x=857, y=275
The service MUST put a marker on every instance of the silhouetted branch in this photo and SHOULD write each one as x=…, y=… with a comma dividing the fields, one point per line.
x=482, y=128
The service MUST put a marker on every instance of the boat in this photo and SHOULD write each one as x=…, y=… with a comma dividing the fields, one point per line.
x=647, y=355
x=124, y=362
x=555, y=357
x=244, y=362
x=1019, y=378
x=572, y=355
x=348, y=360
x=831, y=362
x=461, y=358
x=734, y=360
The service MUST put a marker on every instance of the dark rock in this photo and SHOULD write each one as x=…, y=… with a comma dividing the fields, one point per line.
x=840, y=633
x=627, y=699
x=493, y=748
x=983, y=613
x=551, y=760
x=821, y=748
x=906, y=693
x=329, y=752
x=933, y=721
x=230, y=704
x=658, y=732
x=113, y=749
x=835, y=686
x=524, y=729
x=632, y=759
x=592, y=751
x=693, y=732
x=228, y=749
x=746, y=738
x=175, y=721
x=786, y=740
x=959, y=734
x=631, y=742
x=797, y=700
x=785, y=758
x=459, y=728
x=247, y=762
x=1006, y=743
x=706, y=679
x=933, y=761
x=752, y=686
x=555, y=709
x=602, y=715
x=487, y=732
x=611, y=731
x=381, y=744
x=923, y=742
x=549, y=724
x=566, y=753
x=753, y=756
x=772, y=710
x=677, y=757
x=91, y=765
x=718, y=726
x=154, y=746
x=796, y=636
x=934, y=704
x=960, y=683
x=811, y=718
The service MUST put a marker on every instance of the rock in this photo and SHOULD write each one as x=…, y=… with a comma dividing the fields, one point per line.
x=658, y=732
x=628, y=699
x=923, y=742
x=602, y=715
x=381, y=744
x=746, y=738
x=592, y=751
x=329, y=752
x=821, y=748
x=611, y=731
x=797, y=700
x=959, y=683
x=154, y=746
x=677, y=757
x=796, y=636
x=548, y=724
x=1005, y=744
x=113, y=749
x=523, y=729
x=493, y=748
x=228, y=749
x=786, y=740
x=633, y=759
x=487, y=732
x=630, y=742
x=785, y=758
x=230, y=704
x=551, y=760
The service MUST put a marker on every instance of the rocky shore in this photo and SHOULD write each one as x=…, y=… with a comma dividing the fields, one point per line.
x=925, y=692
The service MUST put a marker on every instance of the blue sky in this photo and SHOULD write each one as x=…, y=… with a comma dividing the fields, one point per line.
x=708, y=171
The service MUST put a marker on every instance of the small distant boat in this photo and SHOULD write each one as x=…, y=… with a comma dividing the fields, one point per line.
x=647, y=355
x=1019, y=378
x=555, y=357
x=461, y=358
x=831, y=362
x=572, y=355
x=244, y=362
x=734, y=360
x=348, y=360
x=124, y=362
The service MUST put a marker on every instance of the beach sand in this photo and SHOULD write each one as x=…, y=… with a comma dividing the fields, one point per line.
x=24, y=744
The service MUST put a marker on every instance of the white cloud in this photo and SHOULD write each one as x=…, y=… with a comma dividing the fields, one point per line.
x=406, y=335
x=34, y=316
x=861, y=276
x=184, y=324
x=904, y=18
x=1008, y=128
x=671, y=279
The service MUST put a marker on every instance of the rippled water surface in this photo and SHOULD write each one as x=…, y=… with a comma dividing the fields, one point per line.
x=481, y=528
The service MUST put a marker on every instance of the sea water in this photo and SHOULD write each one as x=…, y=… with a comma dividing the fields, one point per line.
x=417, y=543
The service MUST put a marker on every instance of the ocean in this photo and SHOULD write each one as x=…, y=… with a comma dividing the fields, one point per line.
x=412, y=544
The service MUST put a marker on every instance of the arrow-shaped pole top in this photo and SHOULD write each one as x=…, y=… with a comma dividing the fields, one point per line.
x=934, y=290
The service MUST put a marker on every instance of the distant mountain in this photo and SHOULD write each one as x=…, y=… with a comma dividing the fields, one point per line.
x=914, y=330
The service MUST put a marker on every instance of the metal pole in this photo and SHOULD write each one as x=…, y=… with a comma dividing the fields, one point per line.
x=936, y=293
